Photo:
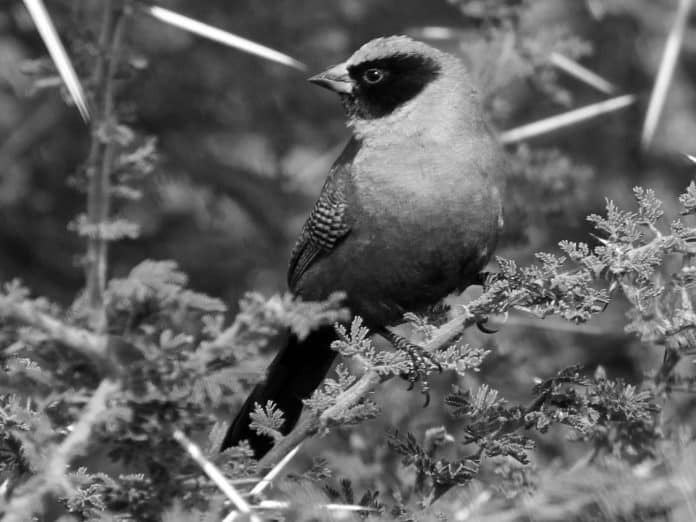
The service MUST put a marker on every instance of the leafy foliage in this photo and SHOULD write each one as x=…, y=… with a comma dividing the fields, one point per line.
x=267, y=420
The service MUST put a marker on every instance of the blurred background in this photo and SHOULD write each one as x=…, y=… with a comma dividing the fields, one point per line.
x=243, y=146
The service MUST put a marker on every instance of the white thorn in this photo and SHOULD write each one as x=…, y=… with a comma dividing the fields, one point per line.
x=49, y=35
x=266, y=481
x=665, y=72
x=223, y=37
x=566, y=119
x=582, y=73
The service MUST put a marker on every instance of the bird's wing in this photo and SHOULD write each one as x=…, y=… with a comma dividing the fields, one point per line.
x=324, y=228
x=328, y=223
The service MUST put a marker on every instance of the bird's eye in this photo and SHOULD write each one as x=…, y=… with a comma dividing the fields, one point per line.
x=373, y=76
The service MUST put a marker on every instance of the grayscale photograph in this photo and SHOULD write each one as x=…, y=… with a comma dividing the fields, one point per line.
x=348, y=260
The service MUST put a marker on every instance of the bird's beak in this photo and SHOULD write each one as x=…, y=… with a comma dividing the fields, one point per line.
x=335, y=79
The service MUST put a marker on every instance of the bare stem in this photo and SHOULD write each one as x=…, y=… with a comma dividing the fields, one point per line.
x=101, y=157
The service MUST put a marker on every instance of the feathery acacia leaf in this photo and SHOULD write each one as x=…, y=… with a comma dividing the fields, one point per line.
x=267, y=420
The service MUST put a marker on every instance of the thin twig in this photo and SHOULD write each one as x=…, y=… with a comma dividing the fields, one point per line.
x=665, y=72
x=566, y=119
x=101, y=158
x=28, y=498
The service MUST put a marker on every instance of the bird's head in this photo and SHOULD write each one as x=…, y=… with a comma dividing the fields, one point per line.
x=397, y=81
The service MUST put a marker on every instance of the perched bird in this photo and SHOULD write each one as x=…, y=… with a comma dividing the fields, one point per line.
x=409, y=213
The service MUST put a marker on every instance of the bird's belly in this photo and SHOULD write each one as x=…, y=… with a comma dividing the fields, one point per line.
x=406, y=259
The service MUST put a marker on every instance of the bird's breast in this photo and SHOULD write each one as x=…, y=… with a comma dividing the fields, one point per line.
x=446, y=191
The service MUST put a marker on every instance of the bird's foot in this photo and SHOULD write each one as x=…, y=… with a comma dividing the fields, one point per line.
x=481, y=325
x=422, y=362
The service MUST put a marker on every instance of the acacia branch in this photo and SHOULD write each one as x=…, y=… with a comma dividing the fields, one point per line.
x=29, y=497
x=310, y=421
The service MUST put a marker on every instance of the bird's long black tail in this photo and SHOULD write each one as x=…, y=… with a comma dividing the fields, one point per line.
x=294, y=374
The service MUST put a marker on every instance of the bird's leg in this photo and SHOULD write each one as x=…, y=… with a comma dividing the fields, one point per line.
x=421, y=360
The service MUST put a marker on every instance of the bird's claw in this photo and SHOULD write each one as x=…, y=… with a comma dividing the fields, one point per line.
x=421, y=360
x=481, y=325
x=421, y=363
